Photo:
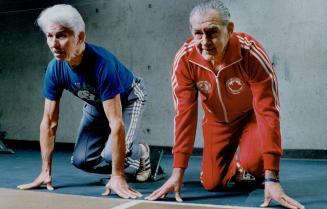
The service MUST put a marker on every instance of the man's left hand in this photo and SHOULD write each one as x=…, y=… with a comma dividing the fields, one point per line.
x=274, y=191
x=119, y=185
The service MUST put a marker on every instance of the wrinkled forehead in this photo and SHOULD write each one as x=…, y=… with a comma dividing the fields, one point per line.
x=208, y=19
x=55, y=28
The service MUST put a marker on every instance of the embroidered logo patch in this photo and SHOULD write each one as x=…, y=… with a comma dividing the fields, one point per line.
x=234, y=85
x=204, y=86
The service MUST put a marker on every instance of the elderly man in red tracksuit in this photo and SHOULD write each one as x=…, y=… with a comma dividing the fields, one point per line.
x=237, y=84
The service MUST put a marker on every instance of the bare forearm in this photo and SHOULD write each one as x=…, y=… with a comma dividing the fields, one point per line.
x=48, y=129
x=47, y=141
x=113, y=110
x=118, y=150
x=178, y=172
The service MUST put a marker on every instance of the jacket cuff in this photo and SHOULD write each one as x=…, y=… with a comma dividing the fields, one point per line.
x=271, y=162
x=181, y=160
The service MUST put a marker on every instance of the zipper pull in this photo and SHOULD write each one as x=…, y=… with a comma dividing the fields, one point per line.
x=219, y=68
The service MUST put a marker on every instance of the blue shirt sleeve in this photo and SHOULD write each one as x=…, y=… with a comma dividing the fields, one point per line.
x=109, y=81
x=52, y=88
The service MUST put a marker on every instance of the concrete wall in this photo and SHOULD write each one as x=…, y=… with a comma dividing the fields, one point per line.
x=145, y=35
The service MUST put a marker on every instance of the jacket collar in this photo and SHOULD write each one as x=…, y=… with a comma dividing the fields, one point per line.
x=232, y=54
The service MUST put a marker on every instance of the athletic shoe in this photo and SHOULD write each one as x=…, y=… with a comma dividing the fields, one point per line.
x=144, y=171
x=242, y=176
x=245, y=180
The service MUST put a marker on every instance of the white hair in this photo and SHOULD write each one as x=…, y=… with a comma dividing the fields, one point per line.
x=217, y=5
x=64, y=15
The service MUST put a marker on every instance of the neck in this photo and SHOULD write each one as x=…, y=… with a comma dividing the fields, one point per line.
x=218, y=60
x=78, y=56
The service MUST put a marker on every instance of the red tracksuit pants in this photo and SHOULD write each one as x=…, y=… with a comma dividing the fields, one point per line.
x=221, y=142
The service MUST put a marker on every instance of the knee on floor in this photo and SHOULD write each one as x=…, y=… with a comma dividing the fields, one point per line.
x=212, y=184
x=78, y=162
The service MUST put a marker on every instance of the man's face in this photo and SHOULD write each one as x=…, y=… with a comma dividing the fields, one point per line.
x=210, y=34
x=62, y=42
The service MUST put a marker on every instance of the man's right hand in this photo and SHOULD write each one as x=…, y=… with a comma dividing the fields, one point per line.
x=173, y=184
x=119, y=185
x=43, y=179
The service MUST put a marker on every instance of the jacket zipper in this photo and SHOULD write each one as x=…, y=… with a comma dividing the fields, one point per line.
x=220, y=97
x=218, y=89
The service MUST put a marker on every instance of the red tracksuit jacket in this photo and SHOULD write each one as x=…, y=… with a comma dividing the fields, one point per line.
x=245, y=81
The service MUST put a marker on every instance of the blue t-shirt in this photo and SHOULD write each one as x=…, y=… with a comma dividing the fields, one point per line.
x=99, y=77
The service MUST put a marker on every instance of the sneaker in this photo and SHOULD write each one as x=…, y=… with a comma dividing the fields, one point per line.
x=242, y=176
x=144, y=171
x=245, y=180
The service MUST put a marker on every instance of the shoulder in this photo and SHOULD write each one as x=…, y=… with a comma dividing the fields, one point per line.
x=253, y=53
x=99, y=53
x=247, y=41
x=186, y=49
x=184, y=54
x=55, y=66
x=52, y=65
x=58, y=71
x=251, y=48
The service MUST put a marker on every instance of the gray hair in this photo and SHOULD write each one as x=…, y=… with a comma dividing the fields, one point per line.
x=217, y=5
x=64, y=15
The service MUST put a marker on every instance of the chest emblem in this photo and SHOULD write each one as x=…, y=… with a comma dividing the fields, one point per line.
x=234, y=85
x=204, y=87
x=85, y=94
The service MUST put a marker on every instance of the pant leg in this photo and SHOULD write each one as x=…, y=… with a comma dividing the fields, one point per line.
x=133, y=106
x=221, y=141
x=251, y=149
x=91, y=139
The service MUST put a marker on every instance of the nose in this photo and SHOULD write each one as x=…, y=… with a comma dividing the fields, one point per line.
x=205, y=40
x=53, y=43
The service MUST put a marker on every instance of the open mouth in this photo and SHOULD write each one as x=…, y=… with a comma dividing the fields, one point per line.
x=208, y=49
x=211, y=50
x=58, y=51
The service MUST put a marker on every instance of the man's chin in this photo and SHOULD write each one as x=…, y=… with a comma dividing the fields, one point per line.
x=208, y=57
x=59, y=57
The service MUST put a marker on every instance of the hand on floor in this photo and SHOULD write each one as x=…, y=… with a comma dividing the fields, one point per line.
x=173, y=184
x=274, y=191
x=119, y=185
x=43, y=179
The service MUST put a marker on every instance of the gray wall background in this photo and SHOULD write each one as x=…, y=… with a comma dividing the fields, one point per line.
x=145, y=34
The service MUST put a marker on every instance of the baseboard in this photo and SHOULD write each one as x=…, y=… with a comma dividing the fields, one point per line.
x=287, y=153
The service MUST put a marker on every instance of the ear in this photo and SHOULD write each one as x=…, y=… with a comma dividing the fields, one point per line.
x=230, y=27
x=81, y=37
